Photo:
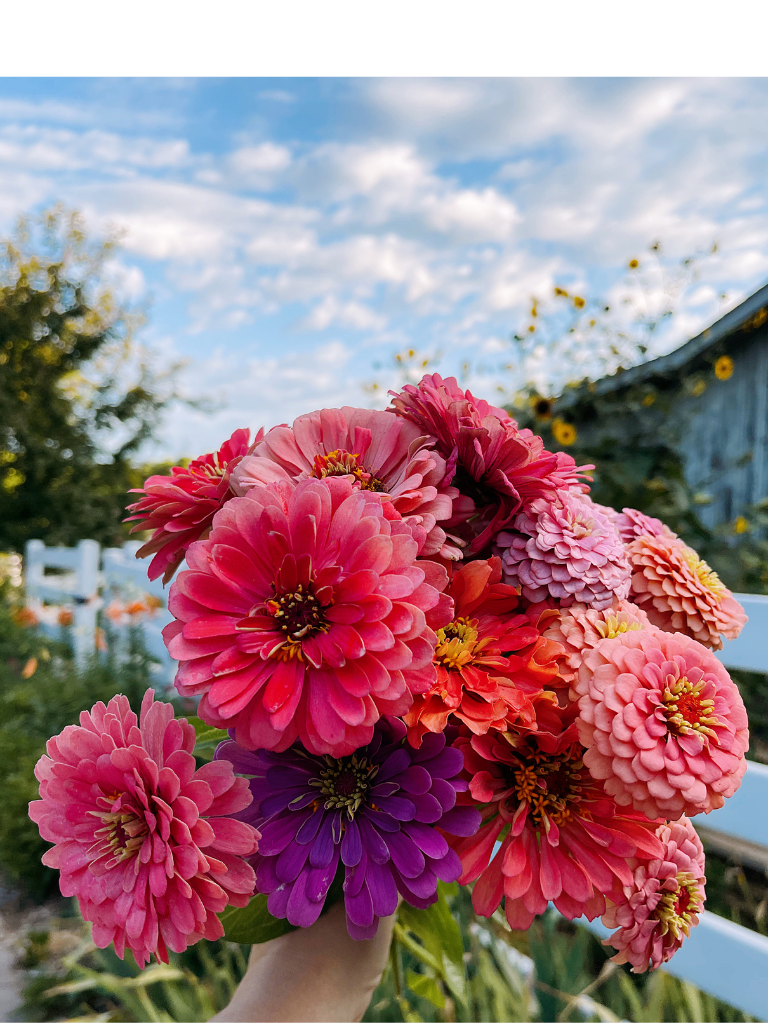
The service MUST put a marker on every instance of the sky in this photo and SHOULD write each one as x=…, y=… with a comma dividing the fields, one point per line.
x=289, y=236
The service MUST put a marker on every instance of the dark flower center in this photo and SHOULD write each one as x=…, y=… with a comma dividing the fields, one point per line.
x=553, y=785
x=345, y=782
x=675, y=910
x=686, y=710
x=298, y=614
x=342, y=463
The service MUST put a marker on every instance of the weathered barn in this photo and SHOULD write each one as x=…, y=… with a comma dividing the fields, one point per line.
x=708, y=398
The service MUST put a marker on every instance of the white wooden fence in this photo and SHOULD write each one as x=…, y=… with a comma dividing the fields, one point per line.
x=720, y=957
x=87, y=587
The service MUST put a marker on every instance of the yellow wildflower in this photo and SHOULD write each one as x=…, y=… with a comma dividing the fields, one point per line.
x=634, y=264
x=740, y=525
x=564, y=433
x=724, y=368
x=578, y=302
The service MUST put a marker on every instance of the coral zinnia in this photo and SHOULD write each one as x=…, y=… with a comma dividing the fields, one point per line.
x=665, y=725
x=566, y=549
x=140, y=835
x=382, y=452
x=377, y=811
x=488, y=659
x=561, y=838
x=661, y=905
x=490, y=460
x=180, y=508
x=304, y=616
x=579, y=628
x=680, y=593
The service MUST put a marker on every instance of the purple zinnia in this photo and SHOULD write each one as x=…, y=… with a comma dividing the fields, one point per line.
x=380, y=811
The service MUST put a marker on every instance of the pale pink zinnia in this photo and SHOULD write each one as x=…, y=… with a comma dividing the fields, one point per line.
x=680, y=593
x=567, y=549
x=578, y=628
x=381, y=452
x=664, y=725
x=662, y=904
x=496, y=466
x=179, y=508
x=142, y=838
x=632, y=524
x=305, y=615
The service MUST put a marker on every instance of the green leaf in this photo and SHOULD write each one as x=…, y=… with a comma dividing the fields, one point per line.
x=426, y=987
x=207, y=738
x=439, y=935
x=254, y=923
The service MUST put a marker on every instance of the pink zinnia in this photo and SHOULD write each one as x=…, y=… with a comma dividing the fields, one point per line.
x=567, y=549
x=142, y=838
x=490, y=460
x=664, y=724
x=579, y=627
x=561, y=837
x=680, y=593
x=659, y=908
x=180, y=508
x=381, y=452
x=632, y=524
x=306, y=616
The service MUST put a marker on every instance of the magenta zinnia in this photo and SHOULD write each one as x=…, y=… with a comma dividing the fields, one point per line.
x=561, y=838
x=381, y=452
x=493, y=463
x=373, y=816
x=658, y=909
x=179, y=508
x=141, y=838
x=665, y=726
x=305, y=616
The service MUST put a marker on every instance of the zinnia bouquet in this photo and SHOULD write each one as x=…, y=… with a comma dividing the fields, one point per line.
x=429, y=656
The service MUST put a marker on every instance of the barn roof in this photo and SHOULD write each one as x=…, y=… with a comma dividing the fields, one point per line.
x=734, y=321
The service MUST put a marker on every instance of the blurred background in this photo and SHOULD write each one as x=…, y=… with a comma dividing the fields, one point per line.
x=181, y=258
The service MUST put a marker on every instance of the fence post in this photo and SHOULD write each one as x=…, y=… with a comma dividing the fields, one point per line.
x=87, y=584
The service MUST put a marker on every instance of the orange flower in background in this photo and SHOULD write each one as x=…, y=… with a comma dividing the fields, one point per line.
x=25, y=617
x=490, y=660
x=65, y=617
x=29, y=669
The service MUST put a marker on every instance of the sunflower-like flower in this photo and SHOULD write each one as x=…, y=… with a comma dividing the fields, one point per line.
x=565, y=548
x=490, y=659
x=680, y=593
x=665, y=727
x=179, y=508
x=377, y=817
x=561, y=836
x=658, y=910
x=380, y=452
x=305, y=615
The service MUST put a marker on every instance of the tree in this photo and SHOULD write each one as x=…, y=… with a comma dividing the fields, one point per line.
x=78, y=396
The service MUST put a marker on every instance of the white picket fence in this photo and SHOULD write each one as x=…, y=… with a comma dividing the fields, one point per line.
x=722, y=958
x=92, y=577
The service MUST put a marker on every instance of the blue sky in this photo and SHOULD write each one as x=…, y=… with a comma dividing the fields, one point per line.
x=291, y=235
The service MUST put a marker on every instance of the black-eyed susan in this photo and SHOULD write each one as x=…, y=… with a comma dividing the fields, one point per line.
x=564, y=433
x=724, y=368
x=634, y=264
x=578, y=302
x=542, y=408
x=649, y=399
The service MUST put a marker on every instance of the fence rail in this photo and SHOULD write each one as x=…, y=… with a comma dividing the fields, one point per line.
x=720, y=957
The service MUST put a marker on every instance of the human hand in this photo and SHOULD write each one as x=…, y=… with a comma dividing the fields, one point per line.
x=312, y=974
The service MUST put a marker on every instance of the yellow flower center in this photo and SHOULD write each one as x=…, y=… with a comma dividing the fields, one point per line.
x=122, y=834
x=553, y=785
x=456, y=644
x=345, y=782
x=610, y=628
x=298, y=615
x=703, y=573
x=675, y=910
x=342, y=463
x=687, y=711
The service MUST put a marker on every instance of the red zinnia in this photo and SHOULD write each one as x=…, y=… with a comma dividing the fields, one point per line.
x=180, y=508
x=489, y=660
x=561, y=838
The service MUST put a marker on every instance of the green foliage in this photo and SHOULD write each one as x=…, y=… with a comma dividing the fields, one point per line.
x=253, y=924
x=77, y=397
x=34, y=709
